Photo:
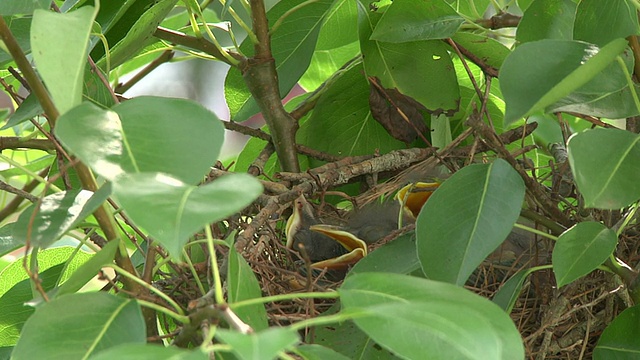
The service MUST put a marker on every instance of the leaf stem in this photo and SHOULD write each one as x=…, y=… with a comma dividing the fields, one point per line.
x=143, y=284
x=284, y=297
x=214, y=266
x=181, y=318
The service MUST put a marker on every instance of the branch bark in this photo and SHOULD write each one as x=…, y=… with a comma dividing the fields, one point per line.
x=261, y=77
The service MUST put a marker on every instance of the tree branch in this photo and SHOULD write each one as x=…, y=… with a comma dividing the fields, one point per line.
x=261, y=77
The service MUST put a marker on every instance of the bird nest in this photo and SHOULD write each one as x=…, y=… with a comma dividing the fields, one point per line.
x=554, y=323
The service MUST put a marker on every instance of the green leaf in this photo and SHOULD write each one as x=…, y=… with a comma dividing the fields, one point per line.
x=171, y=211
x=580, y=250
x=36, y=166
x=317, y=352
x=398, y=256
x=139, y=35
x=7, y=242
x=347, y=339
x=605, y=164
x=95, y=90
x=615, y=105
x=472, y=9
x=59, y=44
x=243, y=285
x=491, y=51
x=20, y=28
x=620, y=338
x=292, y=45
x=14, y=311
x=413, y=317
x=29, y=109
x=22, y=7
x=92, y=322
x=47, y=258
x=87, y=271
x=566, y=66
x=149, y=352
x=466, y=219
x=265, y=344
x=509, y=292
x=342, y=124
x=547, y=19
x=57, y=214
x=600, y=22
x=145, y=134
x=409, y=20
x=399, y=65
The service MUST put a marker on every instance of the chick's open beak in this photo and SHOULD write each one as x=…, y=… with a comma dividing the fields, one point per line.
x=413, y=196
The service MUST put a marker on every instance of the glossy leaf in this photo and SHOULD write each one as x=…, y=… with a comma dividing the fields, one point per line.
x=57, y=214
x=337, y=44
x=412, y=317
x=488, y=49
x=139, y=35
x=472, y=9
x=59, y=44
x=509, y=292
x=620, y=339
x=566, y=66
x=92, y=322
x=22, y=7
x=243, y=285
x=171, y=211
x=20, y=28
x=615, y=105
x=29, y=109
x=398, y=256
x=149, y=352
x=605, y=164
x=7, y=242
x=347, y=339
x=600, y=22
x=14, y=311
x=317, y=352
x=341, y=123
x=409, y=20
x=581, y=250
x=399, y=65
x=265, y=344
x=87, y=271
x=466, y=219
x=292, y=46
x=47, y=258
x=547, y=19
x=145, y=134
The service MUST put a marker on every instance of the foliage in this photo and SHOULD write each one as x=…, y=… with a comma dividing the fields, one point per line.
x=519, y=98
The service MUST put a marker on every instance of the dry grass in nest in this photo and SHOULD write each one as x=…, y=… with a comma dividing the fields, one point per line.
x=554, y=323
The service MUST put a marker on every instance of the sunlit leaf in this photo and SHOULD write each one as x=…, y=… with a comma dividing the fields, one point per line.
x=171, y=211
x=145, y=134
x=59, y=44
x=57, y=213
